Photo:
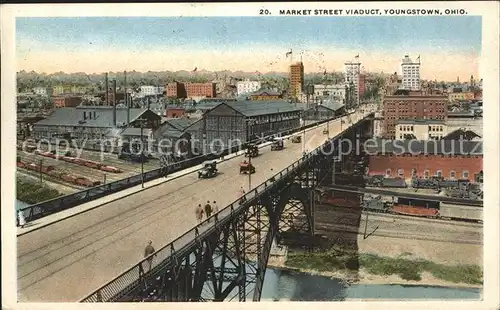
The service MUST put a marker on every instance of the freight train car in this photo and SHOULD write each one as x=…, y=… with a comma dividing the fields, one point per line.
x=456, y=212
x=381, y=181
x=424, y=208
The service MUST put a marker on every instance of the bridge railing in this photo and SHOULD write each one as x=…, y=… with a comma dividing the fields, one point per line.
x=165, y=256
x=62, y=203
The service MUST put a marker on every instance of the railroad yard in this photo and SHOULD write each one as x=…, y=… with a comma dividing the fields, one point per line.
x=61, y=171
x=391, y=235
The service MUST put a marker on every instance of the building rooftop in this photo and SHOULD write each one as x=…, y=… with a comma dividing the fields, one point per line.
x=461, y=134
x=334, y=106
x=131, y=131
x=104, y=117
x=461, y=113
x=430, y=147
x=420, y=121
x=263, y=92
x=176, y=127
x=255, y=108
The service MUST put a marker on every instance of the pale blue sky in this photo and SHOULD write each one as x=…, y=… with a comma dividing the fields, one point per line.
x=369, y=32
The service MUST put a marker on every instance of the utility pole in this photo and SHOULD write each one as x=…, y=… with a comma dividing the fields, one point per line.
x=105, y=178
x=141, y=122
x=303, y=121
x=41, y=178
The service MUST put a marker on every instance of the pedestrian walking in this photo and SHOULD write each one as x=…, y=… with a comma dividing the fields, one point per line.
x=216, y=207
x=241, y=195
x=21, y=219
x=148, y=253
x=199, y=213
x=208, y=210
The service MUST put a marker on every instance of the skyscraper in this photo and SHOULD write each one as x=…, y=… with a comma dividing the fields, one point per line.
x=296, y=79
x=411, y=73
x=352, y=72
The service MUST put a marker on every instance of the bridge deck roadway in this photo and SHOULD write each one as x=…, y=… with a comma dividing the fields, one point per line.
x=67, y=260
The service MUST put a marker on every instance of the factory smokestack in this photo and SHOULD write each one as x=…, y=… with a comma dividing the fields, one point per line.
x=127, y=103
x=114, y=103
x=107, y=89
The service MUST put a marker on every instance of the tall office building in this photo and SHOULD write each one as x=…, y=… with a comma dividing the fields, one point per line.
x=411, y=73
x=352, y=73
x=296, y=79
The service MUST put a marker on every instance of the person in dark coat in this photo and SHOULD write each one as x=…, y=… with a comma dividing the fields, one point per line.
x=208, y=210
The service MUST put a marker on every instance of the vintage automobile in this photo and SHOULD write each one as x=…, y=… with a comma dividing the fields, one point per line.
x=209, y=170
x=252, y=151
x=246, y=167
x=277, y=145
x=296, y=139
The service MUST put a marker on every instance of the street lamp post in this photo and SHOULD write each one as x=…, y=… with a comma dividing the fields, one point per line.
x=303, y=122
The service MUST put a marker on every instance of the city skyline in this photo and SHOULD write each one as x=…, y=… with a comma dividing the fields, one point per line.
x=449, y=47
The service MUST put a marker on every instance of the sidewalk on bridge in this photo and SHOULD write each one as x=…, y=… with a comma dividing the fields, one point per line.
x=59, y=216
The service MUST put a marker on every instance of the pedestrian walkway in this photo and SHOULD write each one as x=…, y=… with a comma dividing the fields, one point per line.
x=59, y=216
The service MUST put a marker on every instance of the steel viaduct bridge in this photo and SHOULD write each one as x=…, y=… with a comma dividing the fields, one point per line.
x=226, y=258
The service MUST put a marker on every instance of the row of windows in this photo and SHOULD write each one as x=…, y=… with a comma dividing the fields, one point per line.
x=399, y=103
x=407, y=110
x=426, y=174
x=410, y=116
x=406, y=128
x=426, y=155
x=435, y=128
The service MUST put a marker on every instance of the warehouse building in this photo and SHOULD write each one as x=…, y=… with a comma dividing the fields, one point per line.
x=92, y=123
x=231, y=123
x=324, y=111
x=172, y=138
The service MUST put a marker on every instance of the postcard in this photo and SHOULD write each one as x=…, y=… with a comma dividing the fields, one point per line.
x=338, y=153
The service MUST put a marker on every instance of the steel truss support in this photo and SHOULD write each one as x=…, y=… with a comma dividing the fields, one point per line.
x=230, y=261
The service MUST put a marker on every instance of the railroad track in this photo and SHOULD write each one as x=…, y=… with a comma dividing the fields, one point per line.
x=403, y=216
x=459, y=223
x=51, y=180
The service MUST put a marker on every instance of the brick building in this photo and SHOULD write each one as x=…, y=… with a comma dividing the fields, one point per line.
x=175, y=90
x=296, y=79
x=66, y=101
x=412, y=107
x=423, y=159
x=111, y=97
x=174, y=112
x=190, y=90
x=361, y=84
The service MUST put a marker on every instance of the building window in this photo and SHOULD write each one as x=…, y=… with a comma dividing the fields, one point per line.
x=465, y=174
x=388, y=172
x=426, y=173
x=401, y=172
x=439, y=173
x=452, y=174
